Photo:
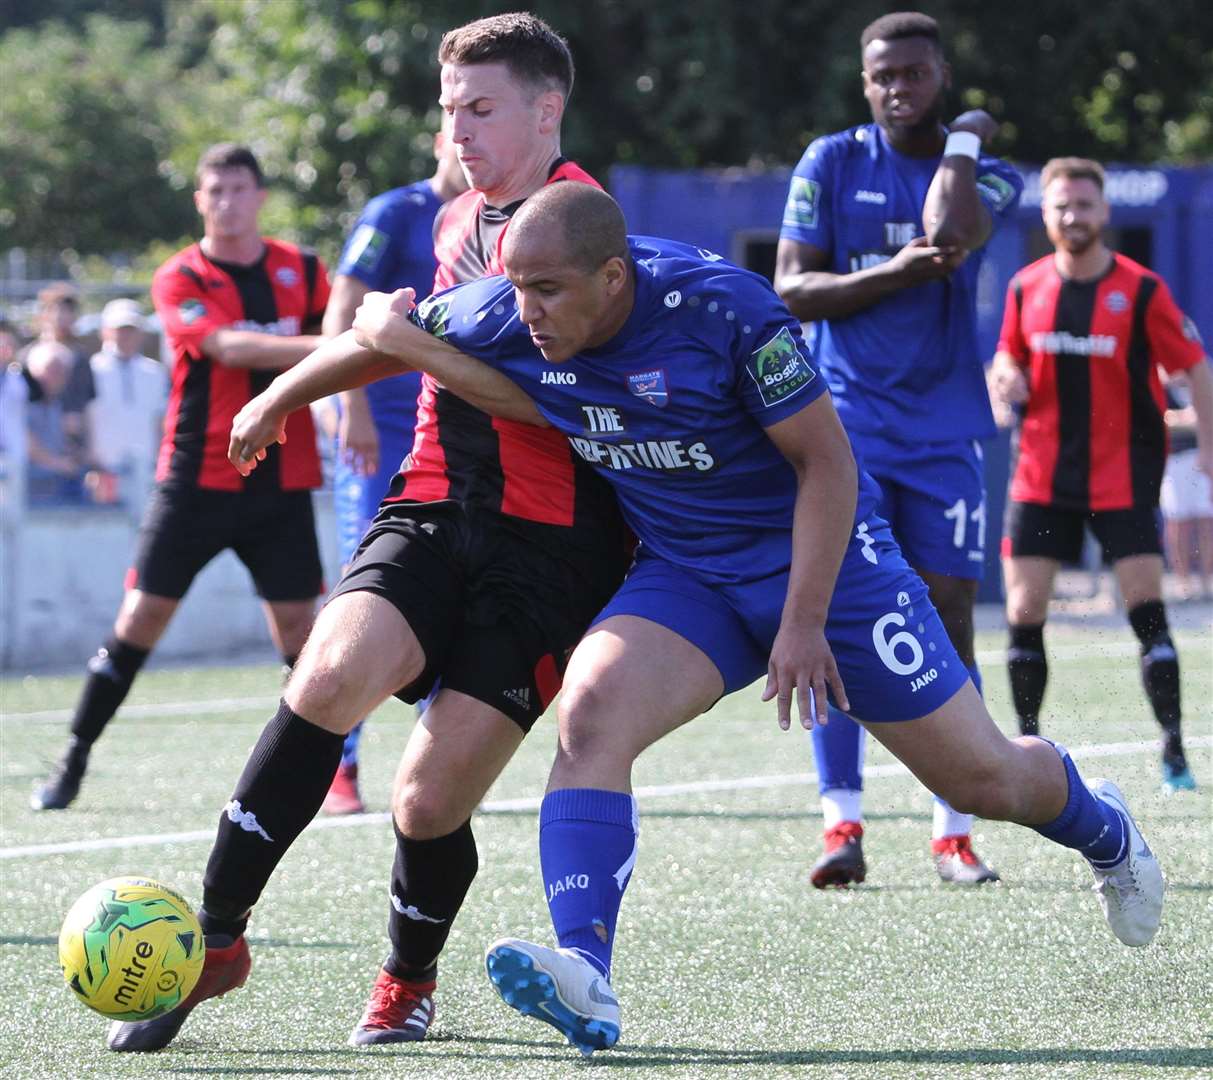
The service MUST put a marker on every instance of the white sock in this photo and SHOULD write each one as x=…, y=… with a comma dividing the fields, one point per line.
x=949, y=822
x=839, y=805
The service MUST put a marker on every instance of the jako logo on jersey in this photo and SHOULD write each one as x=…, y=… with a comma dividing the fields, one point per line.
x=666, y=456
x=928, y=676
x=246, y=819
x=877, y=198
x=286, y=276
x=558, y=378
x=650, y=386
x=673, y=298
x=568, y=883
x=1116, y=302
x=287, y=326
x=1062, y=342
x=903, y=599
x=778, y=369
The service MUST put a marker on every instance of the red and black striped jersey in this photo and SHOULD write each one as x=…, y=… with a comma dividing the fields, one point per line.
x=285, y=293
x=1092, y=435
x=460, y=452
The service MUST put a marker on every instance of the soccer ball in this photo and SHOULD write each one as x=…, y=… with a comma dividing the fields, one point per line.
x=131, y=948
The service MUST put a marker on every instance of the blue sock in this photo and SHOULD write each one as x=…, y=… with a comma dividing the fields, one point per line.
x=587, y=848
x=1086, y=823
x=349, y=748
x=838, y=751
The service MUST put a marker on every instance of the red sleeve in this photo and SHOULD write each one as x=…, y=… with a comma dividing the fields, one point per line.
x=1010, y=337
x=186, y=313
x=1174, y=340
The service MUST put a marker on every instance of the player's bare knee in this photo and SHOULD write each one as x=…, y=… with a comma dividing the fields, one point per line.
x=425, y=810
x=326, y=686
x=585, y=727
x=142, y=619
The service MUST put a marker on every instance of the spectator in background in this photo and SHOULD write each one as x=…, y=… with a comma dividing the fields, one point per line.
x=57, y=456
x=14, y=393
x=1186, y=499
x=58, y=310
x=131, y=390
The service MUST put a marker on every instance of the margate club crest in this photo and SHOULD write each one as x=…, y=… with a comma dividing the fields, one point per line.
x=650, y=386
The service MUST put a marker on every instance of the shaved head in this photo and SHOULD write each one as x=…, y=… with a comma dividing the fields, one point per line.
x=584, y=221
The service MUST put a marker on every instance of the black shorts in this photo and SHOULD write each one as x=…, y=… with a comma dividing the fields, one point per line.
x=497, y=603
x=272, y=533
x=1035, y=531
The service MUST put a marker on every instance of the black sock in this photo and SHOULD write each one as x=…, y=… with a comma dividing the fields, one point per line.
x=430, y=878
x=279, y=792
x=110, y=675
x=1028, y=668
x=1159, y=666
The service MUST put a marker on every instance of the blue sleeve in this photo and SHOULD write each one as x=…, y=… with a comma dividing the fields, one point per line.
x=775, y=375
x=478, y=317
x=999, y=187
x=806, y=214
x=372, y=253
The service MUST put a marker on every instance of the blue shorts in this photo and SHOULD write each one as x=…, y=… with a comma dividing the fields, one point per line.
x=891, y=649
x=934, y=497
x=356, y=498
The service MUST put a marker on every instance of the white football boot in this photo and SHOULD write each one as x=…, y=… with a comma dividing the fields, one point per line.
x=557, y=986
x=1131, y=892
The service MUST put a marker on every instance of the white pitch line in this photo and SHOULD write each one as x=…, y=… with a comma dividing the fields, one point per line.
x=1062, y=653
x=503, y=806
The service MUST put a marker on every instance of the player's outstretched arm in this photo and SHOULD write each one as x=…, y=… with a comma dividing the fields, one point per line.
x=381, y=323
x=814, y=442
x=953, y=216
x=338, y=364
x=813, y=292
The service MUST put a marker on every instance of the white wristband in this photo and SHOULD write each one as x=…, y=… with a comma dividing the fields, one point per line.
x=962, y=144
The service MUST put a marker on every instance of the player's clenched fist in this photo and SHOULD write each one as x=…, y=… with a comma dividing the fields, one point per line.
x=255, y=427
x=380, y=318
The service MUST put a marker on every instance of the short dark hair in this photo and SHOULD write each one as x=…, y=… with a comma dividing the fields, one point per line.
x=229, y=155
x=1072, y=168
x=901, y=24
x=58, y=292
x=592, y=227
x=532, y=51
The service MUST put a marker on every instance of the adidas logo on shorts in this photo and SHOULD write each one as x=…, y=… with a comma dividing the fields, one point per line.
x=521, y=698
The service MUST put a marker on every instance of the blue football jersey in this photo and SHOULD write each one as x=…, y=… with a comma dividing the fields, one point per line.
x=392, y=247
x=672, y=410
x=901, y=366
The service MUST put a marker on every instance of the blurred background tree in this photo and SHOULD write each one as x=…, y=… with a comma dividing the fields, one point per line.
x=107, y=103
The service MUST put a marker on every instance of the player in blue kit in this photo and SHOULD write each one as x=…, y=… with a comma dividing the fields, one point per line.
x=391, y=246
x=881, y=245
x=686, y=383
